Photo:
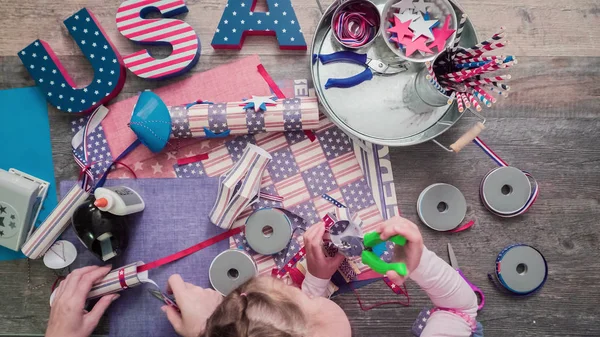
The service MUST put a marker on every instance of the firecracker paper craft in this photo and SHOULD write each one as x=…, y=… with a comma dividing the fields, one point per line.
x=176, y=33
x=240, y=20
x=52, y=79
x=118, y=279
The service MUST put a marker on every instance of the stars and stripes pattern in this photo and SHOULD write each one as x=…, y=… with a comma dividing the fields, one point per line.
x=239, y=19
x=177, y=33
x=98, y=151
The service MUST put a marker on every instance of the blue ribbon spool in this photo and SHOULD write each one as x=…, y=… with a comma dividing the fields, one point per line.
x=521, y=270
x=151, y=121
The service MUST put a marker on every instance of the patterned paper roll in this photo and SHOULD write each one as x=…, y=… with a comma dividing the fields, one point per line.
x=43, y=238
x=119, y=279
x=290, y=114
x=239, y=186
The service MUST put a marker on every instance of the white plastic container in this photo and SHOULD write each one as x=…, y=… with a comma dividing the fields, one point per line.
x=118, y=200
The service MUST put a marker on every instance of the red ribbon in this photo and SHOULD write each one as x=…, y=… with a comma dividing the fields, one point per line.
x=192, y=159
x=189, y=251
x=463, y=227
x=121, y=274
x=263, y=72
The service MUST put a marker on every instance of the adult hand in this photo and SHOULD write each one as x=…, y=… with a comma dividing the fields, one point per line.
x=318, y=264
x=411, y=252
x=196, y=305
x=67, y=316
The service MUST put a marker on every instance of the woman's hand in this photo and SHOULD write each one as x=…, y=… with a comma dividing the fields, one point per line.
x=411, y=252
x=67, y=316
x=196, y=305
x=318, y=264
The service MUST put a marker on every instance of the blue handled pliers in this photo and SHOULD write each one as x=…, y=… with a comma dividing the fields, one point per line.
x=374, y=66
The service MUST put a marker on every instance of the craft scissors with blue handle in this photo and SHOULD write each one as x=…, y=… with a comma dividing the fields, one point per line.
x=374, y=67
x=478, y=292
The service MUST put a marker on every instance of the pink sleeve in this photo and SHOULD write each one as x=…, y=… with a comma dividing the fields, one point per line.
x=314, y=286
x=446, y=289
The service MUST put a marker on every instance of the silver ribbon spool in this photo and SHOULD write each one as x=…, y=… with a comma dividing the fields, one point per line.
x=521, y=269
x=442, y=207
x=268, y=231
x=505, y=190
x=230, y=269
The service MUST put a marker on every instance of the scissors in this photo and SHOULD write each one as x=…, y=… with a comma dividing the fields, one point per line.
x=374, y=67
x=478, y=292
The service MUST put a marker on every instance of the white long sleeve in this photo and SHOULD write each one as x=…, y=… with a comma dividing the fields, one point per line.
x=314, y=286
x=446, y=289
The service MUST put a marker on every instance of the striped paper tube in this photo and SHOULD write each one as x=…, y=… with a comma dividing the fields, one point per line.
x=474, y=102
x=489, y=41
x=459, y=102
x=488, y=80
x=485, y=94
x=465, y=100
x=492, y=66
x=499, y=34
x=56, y=223
x=495, y=46
x=290, y=114
x=496, y=90
x=479, y=59
x=117, y=280
x=435, y=84
x=459, y=30
x=500, y=85
x=482, y=98
x=471, y=64
x=239, y=186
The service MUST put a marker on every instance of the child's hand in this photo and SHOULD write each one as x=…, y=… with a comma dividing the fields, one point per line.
x=318, y=264
x=196, y=305
x=409, y=253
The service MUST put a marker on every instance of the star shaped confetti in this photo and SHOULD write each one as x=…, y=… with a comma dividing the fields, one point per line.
x=401, y=29
x=259, y=102
x=421, y=6
x=441, y=35
x=2, y=209
x=418, y=44
x=422, y=27
x=408, y=15
x=12, y=225
x=403, y=5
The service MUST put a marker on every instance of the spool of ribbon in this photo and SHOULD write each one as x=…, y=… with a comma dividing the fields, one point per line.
x=506, y=191
x=520, y=270
x=356, y=25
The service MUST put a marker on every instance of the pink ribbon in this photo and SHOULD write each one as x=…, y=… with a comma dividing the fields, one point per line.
x=355, y=29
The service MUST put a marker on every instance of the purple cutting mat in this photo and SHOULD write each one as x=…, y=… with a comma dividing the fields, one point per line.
x=176, y=217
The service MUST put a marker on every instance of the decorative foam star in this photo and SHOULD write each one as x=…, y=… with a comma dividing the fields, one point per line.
x=404, y=5
x=421, y=6
x=422, y=27
x=400, y=29
x=259, y=102
x=408, y=15
x=418, y=44
x=441, y=35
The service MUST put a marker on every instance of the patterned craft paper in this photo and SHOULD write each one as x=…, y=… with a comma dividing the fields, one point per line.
x=358, y=175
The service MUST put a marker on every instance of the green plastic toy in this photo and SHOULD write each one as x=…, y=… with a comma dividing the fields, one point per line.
x=371, y=259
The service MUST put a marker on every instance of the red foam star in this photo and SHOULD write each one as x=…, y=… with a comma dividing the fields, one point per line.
x=441, y=35
x=400, y=29
x=418, y=44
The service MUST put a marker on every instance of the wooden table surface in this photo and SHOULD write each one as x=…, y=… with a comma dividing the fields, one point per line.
x=548, y=126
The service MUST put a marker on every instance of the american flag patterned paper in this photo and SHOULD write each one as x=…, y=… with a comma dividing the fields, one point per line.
x=180, y=35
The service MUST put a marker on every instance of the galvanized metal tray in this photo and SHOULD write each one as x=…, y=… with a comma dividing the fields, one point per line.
x=374, y=110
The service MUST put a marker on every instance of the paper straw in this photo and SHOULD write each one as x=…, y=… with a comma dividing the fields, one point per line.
x=498, y=34
x=451, y=99
x=471, y=64
x=459, y=30
x=495, y=46
x=489, y=80
x=488, y=41
x=496, y=90
x=482, y=98
x=479, y=59
x=465, y=100
x=459, y=102
x=473, y=101
x=485, y=94
x=436, y=84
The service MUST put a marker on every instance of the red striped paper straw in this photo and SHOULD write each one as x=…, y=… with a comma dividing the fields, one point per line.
x=493, y=65
x=489, y=80
x=473, y=101
x=498, y=34
x=482, y=98
x=497, y=90
x=495, y=46
x=465, y=100
x=480, y=59
x=488, y=41
x=459, y=102
x=486, y=94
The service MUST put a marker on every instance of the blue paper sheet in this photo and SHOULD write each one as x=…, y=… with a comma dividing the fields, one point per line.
x=24, y=125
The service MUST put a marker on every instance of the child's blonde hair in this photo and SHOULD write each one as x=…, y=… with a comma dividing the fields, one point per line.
x=260, y=307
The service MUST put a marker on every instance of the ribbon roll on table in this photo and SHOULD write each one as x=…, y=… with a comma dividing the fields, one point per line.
x=268, y=231
x=505, y=190
x=231, y=269
x=239, y=186
x=442, y=207
x=520, y=269
x=155, y=123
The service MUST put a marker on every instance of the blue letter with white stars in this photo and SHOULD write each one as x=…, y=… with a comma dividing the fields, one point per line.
x=239, y=20
x=51, y=77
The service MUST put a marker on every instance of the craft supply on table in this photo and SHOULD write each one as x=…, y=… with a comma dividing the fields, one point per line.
x=119, y=200
x=442, y=207
x=380, y=99
x=373, y=67
x=21, y=198
x=61, y=255
x=356, y=23
x=425, y=26
x=478, y=292
x=231, y=269
x=268, y=231
x=28, y=134
x=104, y=234
x=520, y=270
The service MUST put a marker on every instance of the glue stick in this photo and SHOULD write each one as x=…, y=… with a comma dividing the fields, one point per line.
x=119, y=200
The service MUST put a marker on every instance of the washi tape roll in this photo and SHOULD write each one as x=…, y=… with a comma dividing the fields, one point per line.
x=268, y=231
x=521, y=269
x=505, y=190
x=441, y=207
x=231, y=269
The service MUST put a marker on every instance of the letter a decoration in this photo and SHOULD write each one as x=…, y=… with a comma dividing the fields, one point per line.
x=240, y=20
x=53, y=80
